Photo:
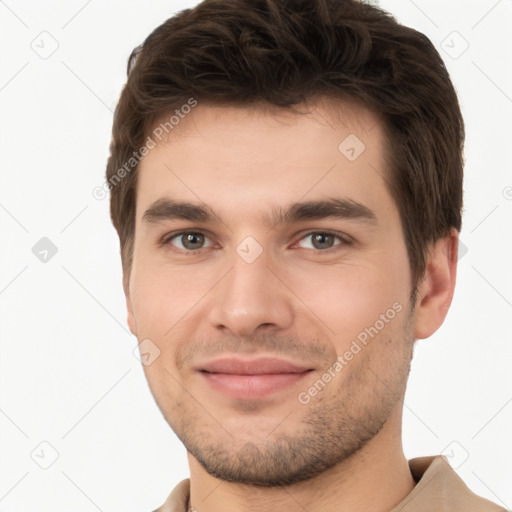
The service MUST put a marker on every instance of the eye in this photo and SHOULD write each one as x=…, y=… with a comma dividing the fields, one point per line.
x=189, y=241
x=323, y=241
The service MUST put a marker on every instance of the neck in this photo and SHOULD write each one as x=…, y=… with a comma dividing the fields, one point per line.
x=374, y=479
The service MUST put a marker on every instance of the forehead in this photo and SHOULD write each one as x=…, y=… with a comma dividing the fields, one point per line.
x=232, y=157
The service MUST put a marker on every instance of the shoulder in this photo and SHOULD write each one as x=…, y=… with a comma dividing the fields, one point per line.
x=178, y=499
x=439, y=487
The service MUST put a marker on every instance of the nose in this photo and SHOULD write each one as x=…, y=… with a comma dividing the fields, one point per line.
x=251, y=297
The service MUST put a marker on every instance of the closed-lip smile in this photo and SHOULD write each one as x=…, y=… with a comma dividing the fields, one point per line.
x=251, y=378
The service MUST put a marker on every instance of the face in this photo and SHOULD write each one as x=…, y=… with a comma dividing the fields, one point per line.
x=266, y=234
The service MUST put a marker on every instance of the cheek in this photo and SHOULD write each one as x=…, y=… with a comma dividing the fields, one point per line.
x=352, y=297
x=164, y=297
x=161, y=299
x=366, y=313
x=148, y=303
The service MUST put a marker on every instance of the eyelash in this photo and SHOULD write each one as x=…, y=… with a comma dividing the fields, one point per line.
x=344, y=239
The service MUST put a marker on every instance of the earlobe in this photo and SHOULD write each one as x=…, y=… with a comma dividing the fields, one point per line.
x=129, y=308
x=435, y=292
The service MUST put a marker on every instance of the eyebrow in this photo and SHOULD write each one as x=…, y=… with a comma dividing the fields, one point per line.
x=167, y=209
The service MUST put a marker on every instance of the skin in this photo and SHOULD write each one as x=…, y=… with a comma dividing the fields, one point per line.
x=342, y=450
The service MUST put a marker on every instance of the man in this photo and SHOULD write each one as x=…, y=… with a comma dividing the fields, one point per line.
x=286, y=183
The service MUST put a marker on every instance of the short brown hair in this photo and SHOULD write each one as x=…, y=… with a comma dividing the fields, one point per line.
x=283, y=53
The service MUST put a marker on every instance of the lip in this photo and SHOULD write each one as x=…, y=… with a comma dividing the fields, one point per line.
x=252, y=379
x=259, y=366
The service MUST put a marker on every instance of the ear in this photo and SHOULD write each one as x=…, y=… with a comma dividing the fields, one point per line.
x=129, y=308
x=435, y=292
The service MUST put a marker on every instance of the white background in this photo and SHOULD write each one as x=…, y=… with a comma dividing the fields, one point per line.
x=67, y=372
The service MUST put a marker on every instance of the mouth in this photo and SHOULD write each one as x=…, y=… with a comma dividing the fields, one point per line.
x=252, y=379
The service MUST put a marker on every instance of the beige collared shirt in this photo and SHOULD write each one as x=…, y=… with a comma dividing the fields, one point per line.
x=438, y=489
